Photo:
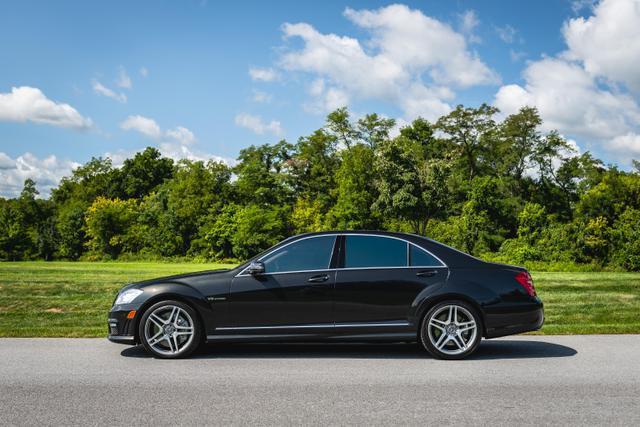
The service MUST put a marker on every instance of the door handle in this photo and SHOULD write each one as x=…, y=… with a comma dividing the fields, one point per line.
x=427, y=273
x=318, y=279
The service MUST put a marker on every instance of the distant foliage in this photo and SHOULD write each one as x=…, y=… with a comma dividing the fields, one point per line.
x=503, y=190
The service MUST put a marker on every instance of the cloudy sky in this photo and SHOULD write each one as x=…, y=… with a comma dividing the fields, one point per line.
x=202, y=79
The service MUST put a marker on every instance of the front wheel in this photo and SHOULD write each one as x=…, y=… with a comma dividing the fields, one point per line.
x=170, y=330
x=451, y=330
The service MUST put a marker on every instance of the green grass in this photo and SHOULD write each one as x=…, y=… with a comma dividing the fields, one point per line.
x=71, y=299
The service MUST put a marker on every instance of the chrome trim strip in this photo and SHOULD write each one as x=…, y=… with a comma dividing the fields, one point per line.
x=130, y=338
x=241, y=274
x=314, y=326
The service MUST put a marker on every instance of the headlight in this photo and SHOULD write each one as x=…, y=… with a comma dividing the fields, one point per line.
x=127, y=296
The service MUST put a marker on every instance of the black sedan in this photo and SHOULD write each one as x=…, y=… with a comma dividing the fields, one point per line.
x=334, y=286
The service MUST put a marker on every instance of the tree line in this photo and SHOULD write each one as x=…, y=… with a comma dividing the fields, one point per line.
x=501, y=189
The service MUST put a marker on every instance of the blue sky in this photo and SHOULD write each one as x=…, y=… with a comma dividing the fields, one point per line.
x=203, y=79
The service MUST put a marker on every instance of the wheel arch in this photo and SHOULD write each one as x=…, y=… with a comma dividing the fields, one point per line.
x=431, y=302
x=169, y=295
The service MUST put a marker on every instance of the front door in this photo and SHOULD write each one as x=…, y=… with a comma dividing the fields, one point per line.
x=295, y=289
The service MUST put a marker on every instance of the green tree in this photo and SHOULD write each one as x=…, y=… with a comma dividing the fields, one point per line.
x=258, y=228
x=356, y=191
x=140, y=175
x=373, y=129
x=467, y=128
x=410, y=187
x=312, y=168
x=109, y=223
x=14, y=239
x=339, y=125
x=261, y=176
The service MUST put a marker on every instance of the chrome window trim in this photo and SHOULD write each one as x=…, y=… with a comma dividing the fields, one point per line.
x=443, y=264
x=403, y=240
x=284, y=246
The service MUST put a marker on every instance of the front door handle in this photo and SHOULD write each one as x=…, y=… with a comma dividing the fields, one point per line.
x=427, y=273
x=318, y=279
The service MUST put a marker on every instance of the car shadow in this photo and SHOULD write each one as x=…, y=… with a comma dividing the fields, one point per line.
x=489, y=350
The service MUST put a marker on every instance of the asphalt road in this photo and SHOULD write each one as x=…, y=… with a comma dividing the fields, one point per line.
x=517, y=380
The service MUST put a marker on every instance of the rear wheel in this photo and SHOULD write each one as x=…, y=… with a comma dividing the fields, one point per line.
x=451, y=330
x=170, y=330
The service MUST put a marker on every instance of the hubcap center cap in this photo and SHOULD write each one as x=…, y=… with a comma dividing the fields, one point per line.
x=169, y=329
x=451, y=329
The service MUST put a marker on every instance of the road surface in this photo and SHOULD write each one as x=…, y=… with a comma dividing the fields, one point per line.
x=517, y=380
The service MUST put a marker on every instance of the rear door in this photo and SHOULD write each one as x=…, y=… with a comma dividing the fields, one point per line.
x=380, y=278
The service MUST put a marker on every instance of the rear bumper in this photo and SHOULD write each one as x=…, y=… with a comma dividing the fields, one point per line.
x=523, y=319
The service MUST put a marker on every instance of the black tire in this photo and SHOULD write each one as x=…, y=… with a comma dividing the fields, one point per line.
x=454, y=345
x=164, y=349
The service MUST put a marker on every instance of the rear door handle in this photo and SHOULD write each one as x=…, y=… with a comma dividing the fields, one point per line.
x=318, y=279
x=427, y=273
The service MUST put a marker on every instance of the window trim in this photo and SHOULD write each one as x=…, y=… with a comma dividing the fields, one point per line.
x=409, y=244
x=344, y=236
x=333, y=248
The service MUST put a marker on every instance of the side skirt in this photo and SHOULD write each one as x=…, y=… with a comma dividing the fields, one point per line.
x=397, y=331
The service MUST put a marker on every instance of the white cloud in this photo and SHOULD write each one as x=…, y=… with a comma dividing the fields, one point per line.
x=408, y=56
x=46, y=172
x=123, y=80
x=144, y=72
x=27, y=103
x=263, y=74
x=257, y=125
x=608, y=43
x=507, y=33
x=570, y=100
x=261, y=97
x=177, y=143
x=578, y=5
x=144, y=125
x=516, y=55
x=100, y=89
x=627, y=143
x=151, y=129
x=181, y=135
x=468, y=23
x=579, y=91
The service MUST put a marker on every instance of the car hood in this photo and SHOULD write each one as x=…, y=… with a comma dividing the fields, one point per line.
x=185, y=278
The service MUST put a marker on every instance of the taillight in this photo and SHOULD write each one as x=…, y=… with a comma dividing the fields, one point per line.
x=524, y=278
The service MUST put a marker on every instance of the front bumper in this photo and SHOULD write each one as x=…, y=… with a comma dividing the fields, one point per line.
x=121, y=329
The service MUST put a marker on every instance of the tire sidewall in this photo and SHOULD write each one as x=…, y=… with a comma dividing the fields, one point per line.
x=424, y=334
x=197, y=330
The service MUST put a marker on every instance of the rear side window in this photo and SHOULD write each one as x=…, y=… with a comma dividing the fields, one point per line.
x=421, y=258
x=373, y=251
x=307, y=254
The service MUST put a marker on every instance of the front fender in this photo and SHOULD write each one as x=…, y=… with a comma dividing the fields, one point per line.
x=155, y=292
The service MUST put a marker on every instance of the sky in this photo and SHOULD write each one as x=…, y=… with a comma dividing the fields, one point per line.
x=203, y=79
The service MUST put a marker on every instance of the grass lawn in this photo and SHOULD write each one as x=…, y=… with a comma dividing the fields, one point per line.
x=71, y=299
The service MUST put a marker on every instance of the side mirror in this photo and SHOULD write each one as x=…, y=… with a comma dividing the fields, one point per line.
x=255, y=268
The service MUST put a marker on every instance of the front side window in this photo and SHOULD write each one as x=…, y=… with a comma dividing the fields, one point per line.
x=374, y=251
x=306, y=254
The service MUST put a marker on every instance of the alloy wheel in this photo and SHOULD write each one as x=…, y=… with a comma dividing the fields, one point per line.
x=169, y=329
x=452, y=329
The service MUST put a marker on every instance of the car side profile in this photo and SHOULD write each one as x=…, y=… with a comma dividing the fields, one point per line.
x=334, y=286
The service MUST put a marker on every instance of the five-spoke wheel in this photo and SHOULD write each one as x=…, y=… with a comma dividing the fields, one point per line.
x=170, y=329
x=451, y=330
